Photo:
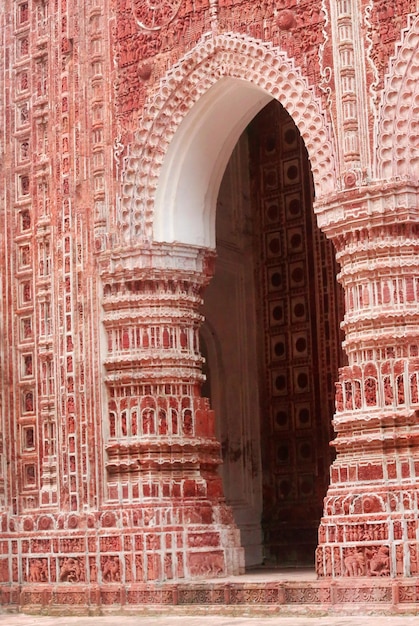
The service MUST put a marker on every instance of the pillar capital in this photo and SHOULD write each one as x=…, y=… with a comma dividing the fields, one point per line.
x=158, y=260
x=383, y=203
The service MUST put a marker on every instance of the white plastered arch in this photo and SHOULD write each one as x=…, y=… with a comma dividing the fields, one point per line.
x=201, y=147
x=190, y=127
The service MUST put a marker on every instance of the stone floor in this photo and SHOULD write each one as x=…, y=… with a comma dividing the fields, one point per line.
x=207, y=620
x=227, y=615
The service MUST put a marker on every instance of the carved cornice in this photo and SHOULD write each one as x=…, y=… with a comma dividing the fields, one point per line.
x=151, y=454
x=157, y=261
x=383, y=202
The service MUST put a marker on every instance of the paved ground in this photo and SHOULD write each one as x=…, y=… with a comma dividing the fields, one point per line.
x=204, y=620
x=182, y=616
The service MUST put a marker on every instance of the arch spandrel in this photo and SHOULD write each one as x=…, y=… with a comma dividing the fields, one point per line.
x=252, y=71
x=398, y=130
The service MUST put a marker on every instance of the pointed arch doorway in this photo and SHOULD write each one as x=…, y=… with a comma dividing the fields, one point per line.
x=171, y=193
x=272, y=344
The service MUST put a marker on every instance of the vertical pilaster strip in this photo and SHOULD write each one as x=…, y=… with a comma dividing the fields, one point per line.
x=45, y=262
x=350, y=90
x=4, y=236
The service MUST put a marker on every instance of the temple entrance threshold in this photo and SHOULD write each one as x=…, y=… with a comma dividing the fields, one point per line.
x=272, y=343
x=362, y=535
x=258, y=592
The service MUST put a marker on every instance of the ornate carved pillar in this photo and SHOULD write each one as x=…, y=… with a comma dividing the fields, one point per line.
x=370, y=524
x=161, y=455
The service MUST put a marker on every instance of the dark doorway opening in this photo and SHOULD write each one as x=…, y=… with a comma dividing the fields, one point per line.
x=272, y=343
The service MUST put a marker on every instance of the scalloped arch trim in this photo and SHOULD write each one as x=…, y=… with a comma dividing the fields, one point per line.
x=259, y=72
x=399, y=125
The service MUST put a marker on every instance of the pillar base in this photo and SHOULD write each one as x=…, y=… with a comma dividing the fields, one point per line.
x=370, y=529
x=261, y=595
x=152, y=542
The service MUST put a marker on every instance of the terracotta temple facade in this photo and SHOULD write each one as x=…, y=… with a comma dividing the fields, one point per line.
x=209, y=270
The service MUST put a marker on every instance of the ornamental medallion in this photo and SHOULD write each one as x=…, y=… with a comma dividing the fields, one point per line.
x=154, y=14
